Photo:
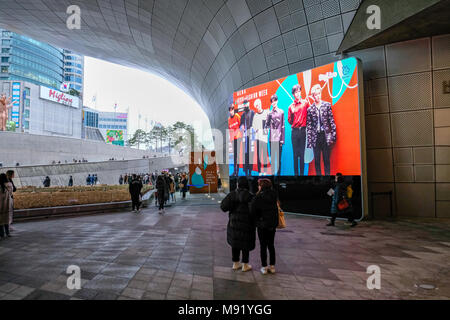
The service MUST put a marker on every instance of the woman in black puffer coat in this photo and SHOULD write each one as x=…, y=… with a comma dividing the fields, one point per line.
x=241, y=235
x=265, y=209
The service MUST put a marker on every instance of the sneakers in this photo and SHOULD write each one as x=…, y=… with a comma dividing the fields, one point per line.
x=246, y=267
x=264, y=270
x=237, y=265
x=330, y=224
x=271, y=269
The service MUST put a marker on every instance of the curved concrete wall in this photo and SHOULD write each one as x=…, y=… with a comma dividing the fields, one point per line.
x=30, y=149
x=108, y=172
x=212, y=48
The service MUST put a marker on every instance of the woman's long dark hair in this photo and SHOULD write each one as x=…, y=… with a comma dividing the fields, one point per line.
x=3, y=181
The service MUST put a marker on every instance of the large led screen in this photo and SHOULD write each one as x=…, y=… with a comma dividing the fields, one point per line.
x=306, y=124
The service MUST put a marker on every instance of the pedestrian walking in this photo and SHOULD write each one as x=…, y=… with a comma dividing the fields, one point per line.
x=161, y=189
x=172, y=188
x=135, y=188
x=10, y=176
x=265, y=210
x=341, y=201
x=70, y=181
x=6, y=205
x=120, y=180
x=46, y=182
x=241, y=224
x=184, y=185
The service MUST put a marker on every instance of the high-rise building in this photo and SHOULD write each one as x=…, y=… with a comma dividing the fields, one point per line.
x=73, y=70
x=25, y=59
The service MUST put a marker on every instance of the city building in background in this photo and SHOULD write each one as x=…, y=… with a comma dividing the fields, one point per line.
x=42, y=110
x=110, y=127
x=73, y=70
x=90, y=129
x=114, y=127
x=25, y=59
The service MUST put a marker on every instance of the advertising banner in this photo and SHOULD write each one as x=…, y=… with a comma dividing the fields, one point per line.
x=15, y=110
x=306, y=124
x=203, y=172
x=115, y=137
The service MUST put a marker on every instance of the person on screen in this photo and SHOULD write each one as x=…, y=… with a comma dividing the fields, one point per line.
x=275, y=122
x=246, y=128
x=234, y=122
x=321, y=130
x=297, y=120
x=259, y=125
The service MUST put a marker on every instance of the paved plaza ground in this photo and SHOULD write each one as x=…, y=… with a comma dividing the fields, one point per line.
x=183, y=254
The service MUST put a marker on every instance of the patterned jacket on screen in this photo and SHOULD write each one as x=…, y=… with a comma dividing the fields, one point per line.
x=328, y=124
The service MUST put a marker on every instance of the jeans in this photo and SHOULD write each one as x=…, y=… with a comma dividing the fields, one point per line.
x=275, y=157
x=236, y=154
x=4, y=230
x=322, y=148
x=262, y=154
x=235, y=252
x=266, y=241
x=135, y=202
x=247, y=165
x=161, y=200
x=298, y=148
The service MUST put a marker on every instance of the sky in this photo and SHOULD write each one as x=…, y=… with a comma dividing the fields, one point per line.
x=138, y=92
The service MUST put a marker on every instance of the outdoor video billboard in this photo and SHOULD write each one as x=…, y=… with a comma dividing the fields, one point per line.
x=306, y=124
x=299, y=131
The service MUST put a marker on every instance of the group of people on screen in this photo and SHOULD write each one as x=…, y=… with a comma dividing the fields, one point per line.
x=312, y=126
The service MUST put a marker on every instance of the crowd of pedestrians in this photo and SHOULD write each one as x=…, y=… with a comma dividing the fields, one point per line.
x=7, y=189
x=91, y=180
x=166, y=187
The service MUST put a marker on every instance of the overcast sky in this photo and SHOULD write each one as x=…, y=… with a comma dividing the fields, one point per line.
x=138, y=92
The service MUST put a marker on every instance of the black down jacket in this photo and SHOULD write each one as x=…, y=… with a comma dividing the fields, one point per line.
x=265, y=210
x=241, y=229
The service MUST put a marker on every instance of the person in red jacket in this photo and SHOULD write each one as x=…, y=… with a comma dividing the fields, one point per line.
x=235, y=136
x=297, y=119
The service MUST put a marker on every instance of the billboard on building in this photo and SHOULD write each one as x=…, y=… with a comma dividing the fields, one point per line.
x=59, y=97
x=299, y=131
x=306, y=124
x=115, y=137
x=15, y=110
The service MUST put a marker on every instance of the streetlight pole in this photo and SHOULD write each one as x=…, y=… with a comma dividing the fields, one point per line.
x=139, y=127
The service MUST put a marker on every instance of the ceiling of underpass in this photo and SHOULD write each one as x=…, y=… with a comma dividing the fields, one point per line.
x=209, y=48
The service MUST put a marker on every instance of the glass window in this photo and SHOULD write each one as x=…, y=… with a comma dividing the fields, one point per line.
x=26, y=124
x=6, y=33
x=6, y=42
x=6, y=50
x=5, y=59
x=4, y=69
x=27, y=91
x=27, y=102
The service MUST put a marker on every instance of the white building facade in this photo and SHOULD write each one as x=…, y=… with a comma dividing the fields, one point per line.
x=42, y=110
